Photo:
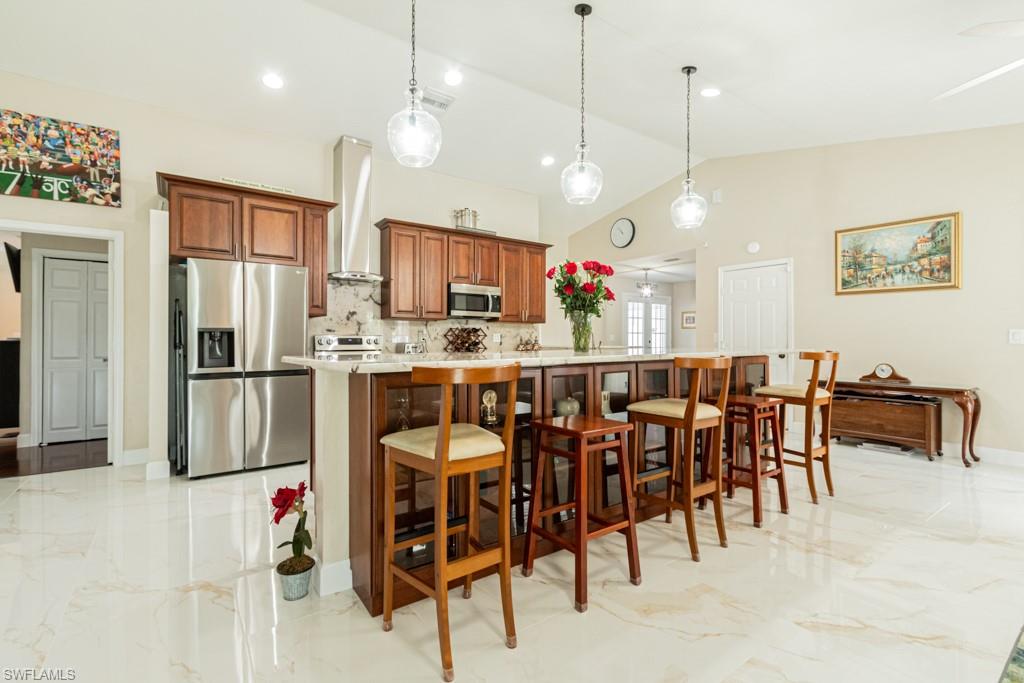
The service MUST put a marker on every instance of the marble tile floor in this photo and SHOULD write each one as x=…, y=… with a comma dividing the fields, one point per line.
x=914, y=572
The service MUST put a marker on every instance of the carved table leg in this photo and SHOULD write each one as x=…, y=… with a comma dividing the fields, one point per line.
x=974, y=423
x=967, y=407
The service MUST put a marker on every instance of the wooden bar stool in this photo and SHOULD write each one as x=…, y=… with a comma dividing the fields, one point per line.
x=753, y=412
x=810, y=397
x=581, y=428
x=685, y=416
x=447, y=451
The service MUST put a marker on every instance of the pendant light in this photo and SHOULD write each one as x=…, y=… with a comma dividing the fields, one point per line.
x=689, y=209
x=582, y=179
x=647, y=288
x=414, y=135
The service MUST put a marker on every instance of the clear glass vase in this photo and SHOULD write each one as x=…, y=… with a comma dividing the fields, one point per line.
x=581, y=330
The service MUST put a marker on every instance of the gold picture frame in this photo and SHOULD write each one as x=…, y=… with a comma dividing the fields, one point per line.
x=900, y=256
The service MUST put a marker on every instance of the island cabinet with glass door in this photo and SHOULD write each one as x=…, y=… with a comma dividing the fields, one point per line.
x=383, y=403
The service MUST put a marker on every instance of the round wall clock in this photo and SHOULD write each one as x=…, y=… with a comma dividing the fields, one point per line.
x=622, y=233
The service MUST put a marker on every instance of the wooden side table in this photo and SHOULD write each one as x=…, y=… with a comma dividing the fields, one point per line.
x=753, y=412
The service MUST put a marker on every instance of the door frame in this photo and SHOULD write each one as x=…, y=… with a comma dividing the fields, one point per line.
x=39, y=257
x=790, y=304
x=115, y=303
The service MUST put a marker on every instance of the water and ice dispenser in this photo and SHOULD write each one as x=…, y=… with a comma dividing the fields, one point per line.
x=216, y=348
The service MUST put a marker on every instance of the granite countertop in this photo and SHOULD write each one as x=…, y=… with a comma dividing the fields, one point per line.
x=396, y=362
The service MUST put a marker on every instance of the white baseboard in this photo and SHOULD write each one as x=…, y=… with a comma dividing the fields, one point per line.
x=27, y=441
x=332, y=578
x=1000, y=456
x=159, y=469
x=133, y=456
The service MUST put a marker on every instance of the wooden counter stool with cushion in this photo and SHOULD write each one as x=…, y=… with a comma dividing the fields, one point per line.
x=447, y=451
x=589, y=433
x=684, y=417
x=753, y=412
x=809, y=397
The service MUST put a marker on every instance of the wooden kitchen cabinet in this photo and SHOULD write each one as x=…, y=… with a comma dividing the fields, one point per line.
x=419, y=261
x=487, y=273
x=205, y=223
x=535, y=285
x=315, y=233
x=214, y=220
x=272, y=231
x=473, y=261
x=512, y=268
x=523, y=284
x=414, y=264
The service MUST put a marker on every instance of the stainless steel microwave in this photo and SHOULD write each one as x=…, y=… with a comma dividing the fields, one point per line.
x=474, y=301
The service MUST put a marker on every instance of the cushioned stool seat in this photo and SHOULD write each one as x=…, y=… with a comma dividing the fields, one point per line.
x=789, y=391
x=673, y=407
x=467, y=441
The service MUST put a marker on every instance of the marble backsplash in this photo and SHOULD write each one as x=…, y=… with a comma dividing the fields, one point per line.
x=354, y=308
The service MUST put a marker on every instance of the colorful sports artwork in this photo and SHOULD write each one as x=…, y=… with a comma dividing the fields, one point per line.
x=62, y=161
x=921, y=253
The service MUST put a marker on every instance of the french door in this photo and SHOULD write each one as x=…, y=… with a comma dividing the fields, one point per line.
x=647, y=323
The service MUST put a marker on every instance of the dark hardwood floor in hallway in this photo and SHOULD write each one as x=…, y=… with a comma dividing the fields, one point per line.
x=75, y=455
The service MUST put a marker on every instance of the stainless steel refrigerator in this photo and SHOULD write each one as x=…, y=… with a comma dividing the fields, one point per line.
x=233, y=404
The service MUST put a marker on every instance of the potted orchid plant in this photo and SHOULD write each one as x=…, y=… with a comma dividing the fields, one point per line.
x=295, y=571
x=582, y=291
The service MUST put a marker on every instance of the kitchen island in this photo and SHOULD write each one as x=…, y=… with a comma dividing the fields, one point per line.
x=358, y=402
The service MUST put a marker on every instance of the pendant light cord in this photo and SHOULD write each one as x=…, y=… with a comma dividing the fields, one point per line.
x=583, y=79
x=689, y=75
x=412, y=79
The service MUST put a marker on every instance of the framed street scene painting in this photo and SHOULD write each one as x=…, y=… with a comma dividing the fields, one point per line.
x=921, y=253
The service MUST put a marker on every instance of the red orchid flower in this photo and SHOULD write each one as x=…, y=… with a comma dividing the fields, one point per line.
x=284, y=500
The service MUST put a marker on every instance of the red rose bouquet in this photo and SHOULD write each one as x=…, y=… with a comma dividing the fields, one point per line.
x=582, y=292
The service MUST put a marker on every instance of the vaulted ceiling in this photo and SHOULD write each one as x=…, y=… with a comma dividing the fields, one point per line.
x=793, y=73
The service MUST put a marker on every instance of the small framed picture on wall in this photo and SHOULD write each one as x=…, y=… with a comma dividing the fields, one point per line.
x=689, y=320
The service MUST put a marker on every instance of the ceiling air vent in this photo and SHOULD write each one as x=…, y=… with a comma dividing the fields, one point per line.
x=437, y=102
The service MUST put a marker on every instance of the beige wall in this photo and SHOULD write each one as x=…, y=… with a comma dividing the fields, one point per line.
x=153, y=139
x=427, y=197
x=10, y=300
x=793, y=201
x=29, y=243
x=684, y=298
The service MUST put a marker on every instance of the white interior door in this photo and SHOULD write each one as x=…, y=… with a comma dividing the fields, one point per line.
x=74, y=335
x=755, y=314
x=96, y=352
x=647, y=323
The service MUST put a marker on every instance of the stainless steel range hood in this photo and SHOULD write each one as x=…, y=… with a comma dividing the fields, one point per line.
x=352, y=235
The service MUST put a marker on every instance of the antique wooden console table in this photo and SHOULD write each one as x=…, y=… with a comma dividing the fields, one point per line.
x=965, y=397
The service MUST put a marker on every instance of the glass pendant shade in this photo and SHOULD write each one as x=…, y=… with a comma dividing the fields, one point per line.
x=414, y=135
x=689, y=209
x=582, y=179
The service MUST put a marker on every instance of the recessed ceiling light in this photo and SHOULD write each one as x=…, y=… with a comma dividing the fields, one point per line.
x=547, y=161
x=453, y=77
x=995, y=73
x=710, y=92
x=273, y=81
